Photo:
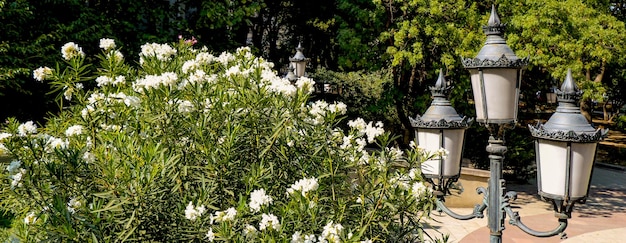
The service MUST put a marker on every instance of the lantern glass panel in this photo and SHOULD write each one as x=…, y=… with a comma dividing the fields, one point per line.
x=499, y=93
x=552, y=159
x=449, y=139
x=300, y=66
x=582, y=164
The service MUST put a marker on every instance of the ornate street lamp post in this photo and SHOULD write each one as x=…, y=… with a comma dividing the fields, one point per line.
x=566, y=144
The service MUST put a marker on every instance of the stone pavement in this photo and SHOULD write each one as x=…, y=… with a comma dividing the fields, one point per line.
x=601, y=219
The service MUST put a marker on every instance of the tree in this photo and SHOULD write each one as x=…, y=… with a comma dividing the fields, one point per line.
x=558, y=35
x=53, y=23
x=423, y=36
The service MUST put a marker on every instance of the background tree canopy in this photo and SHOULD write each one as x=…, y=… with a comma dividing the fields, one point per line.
x=411, y=39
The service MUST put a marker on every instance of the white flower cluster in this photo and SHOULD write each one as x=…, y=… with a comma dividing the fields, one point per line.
x=282, y=86
x=183, y=106
x=258, y=198
x=104, y=80
x=128, y=100
x=244, y=51
x=237, y=70
x=73, y=205
x=16, y=173
x=89, y=157
x=331, y=233
x=224, y=216
x=205, y=58
x=202, y=58
x=297, y=237
x=154, y=81
x=30, y=218
x=304, y=186
x=249, y=230
x=441, y=152
x=419, y=189
x=416, y=147
x=189, y=66
x=42, y=73
x=74, y=130
x=371, y=131
x=53, y=143
x=26, y=128
x=107, y=44
x=306, y=84
x=162, y=52
x=71, y=50
x=116, y=55
x=3, y=136
x=269, y=221
x=321, y=108
x=99, y=101
x=192, y=213
x=401, y=180
x=225, y=57
x=357, y=144
x=210, y=236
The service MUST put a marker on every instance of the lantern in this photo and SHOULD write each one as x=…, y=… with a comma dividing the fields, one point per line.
x=495, y=76
x=441, y=127
x=566, y=147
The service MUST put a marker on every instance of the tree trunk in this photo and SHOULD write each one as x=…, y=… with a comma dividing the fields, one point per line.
x=598, y=79
x=407, y=128
x=585, y=109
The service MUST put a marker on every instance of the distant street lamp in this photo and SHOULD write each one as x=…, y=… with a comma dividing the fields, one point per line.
x=299, y=61
x=566, y=144
x=297, y=69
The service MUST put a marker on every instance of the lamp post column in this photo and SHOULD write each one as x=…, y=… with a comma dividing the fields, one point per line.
x=495, y=196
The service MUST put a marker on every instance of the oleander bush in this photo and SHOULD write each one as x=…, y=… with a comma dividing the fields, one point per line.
x=191, y=146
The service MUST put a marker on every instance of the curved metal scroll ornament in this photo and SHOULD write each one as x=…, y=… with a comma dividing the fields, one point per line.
x=516, y=220
x=478, y=211
x=540, y=132
x=503, y=62
x=443, y=123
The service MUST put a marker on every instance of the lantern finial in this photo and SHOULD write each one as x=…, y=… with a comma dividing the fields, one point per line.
x=569, y=92
x=441, y=87
x=567, y=123
x=299, y=56
x=569, y=86
x=494, y=26
x=440, y=114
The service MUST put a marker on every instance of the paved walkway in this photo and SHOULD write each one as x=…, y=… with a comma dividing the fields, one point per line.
x=601, y=219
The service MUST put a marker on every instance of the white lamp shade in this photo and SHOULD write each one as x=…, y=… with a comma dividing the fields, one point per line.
x=555, y=181
x=496, y=94
x=449, y=139
x=300, y=66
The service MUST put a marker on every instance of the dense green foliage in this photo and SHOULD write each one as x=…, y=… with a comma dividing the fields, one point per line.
x=192, y=146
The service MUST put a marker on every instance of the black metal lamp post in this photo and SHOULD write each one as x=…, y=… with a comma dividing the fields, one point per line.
x=566, y=143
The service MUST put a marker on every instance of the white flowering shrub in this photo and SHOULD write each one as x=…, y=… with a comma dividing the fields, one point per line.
x=192, y=146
